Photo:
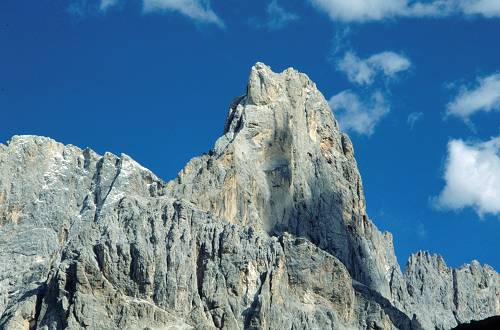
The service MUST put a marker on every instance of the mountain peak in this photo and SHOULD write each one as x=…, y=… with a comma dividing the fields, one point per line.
x=283, y=165
x=288, y=101
x=266, y=86
x=268, y=230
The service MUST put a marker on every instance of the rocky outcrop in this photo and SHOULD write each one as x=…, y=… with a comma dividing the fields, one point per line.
x=266, y=231
x=442, y=297
x=283, y=165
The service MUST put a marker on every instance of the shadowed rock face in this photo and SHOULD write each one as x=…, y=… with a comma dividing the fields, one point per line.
x=491, y=323
x=266, y=231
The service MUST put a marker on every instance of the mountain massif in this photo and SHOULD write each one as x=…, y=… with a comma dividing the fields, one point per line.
x=268, y=230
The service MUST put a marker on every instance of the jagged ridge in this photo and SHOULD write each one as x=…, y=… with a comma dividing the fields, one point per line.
x=268, y=230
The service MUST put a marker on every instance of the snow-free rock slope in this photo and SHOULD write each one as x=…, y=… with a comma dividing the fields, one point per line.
x=267, y=231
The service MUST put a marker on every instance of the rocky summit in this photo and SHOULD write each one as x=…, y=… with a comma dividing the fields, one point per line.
x=268, y=230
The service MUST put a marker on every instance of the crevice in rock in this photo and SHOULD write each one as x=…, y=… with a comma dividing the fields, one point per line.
x=42, y=290
x=86, y=159
x=232, y=112
x=200, y=269
x=455, y=288
x=251, y=313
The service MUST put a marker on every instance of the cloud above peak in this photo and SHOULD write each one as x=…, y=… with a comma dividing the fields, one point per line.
x=377, y=10
x=199, y=10
x=360, y=10
x=106, y=4
x=472, y=176
x=357, y=11
x=363, y=71
x=278, y=17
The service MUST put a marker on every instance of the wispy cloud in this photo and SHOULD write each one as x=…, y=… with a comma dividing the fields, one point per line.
x=341, y=40
x=487, y=8
x=359, y=10
x=80, y=8
x=198, y=10
x=363, y=71
x=278, y=17
x=337, y=10
x=376, y=10
x=358, y=114
x=413, y=118
x=472, y=176
x=483, y=96
x=104, y=5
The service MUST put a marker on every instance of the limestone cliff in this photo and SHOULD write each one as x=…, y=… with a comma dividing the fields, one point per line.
x=266, y=231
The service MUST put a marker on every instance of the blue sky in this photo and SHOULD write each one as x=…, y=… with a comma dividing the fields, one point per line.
x=416, y=84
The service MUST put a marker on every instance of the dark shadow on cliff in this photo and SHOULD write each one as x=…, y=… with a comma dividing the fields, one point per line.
x=492, y=323
x=398, y=318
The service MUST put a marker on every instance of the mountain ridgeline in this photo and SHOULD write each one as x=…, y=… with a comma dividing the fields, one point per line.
x=268, y=230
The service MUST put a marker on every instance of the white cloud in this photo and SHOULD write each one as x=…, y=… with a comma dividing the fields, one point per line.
x=487, y=8
x=358, y=115
x=198, y=10
x=362, y=114
x=278, y=17
x=363, y=71
x=341, y=40
x=389, y=63
x=472, y=175
x=104, y=5
x=376, y=10
x=485, y=96
x=356, y=69
x=359, y=10
x=413, y=118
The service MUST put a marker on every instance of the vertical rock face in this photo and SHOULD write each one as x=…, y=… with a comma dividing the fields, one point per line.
x=266, y=231
x=283, y=165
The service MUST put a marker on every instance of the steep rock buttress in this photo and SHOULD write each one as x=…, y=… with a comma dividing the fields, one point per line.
x=283, y=165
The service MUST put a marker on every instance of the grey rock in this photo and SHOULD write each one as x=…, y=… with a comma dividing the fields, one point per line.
x=441, y=297
x=266, y=231
x=283, y=165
